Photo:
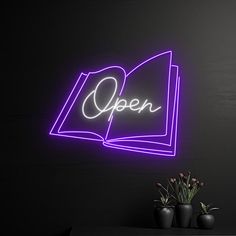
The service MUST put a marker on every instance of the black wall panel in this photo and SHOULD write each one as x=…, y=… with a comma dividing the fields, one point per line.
x=50, y=183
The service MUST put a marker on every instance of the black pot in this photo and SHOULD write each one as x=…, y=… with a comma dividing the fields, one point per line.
x=205, y=221
x=164, y=217
x=183, y=213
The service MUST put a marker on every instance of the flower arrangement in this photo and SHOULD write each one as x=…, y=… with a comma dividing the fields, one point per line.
x=184, y=188
x=164, y=211
x=181, y=191
x=165, y=197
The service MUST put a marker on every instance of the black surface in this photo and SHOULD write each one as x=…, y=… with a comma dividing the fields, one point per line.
x=48, y=183
x=135, y=231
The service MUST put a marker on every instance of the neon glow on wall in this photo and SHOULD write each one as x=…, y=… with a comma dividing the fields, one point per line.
x=134, y=111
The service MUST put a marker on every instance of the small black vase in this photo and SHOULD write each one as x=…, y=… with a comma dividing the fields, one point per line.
x=183, y=214
x=205, y=221
x=163, y=217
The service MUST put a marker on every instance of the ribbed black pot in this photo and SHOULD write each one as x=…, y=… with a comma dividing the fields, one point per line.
x=164, y=217
x=183, y=213
x=205, y=221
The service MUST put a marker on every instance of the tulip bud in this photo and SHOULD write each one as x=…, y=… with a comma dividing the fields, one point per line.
x=194, y=180
x=181, y=175
x=158, y=185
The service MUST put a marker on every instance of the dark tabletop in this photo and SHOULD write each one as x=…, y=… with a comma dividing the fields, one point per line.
x=136, y=231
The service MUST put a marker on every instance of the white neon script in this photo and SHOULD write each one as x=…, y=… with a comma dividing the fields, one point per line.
x=119, y=105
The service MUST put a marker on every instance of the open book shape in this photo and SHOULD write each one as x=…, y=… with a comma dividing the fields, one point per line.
x=134, y=111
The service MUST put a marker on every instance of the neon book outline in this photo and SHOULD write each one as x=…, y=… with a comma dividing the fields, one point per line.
x=158, y=144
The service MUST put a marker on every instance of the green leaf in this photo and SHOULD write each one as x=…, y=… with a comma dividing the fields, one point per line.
x=188, y=179
x=204, y=208
x=161, y=194
x=213, y=209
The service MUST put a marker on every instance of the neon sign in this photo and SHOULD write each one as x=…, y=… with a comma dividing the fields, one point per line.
x=135, y=111
x=119, y=104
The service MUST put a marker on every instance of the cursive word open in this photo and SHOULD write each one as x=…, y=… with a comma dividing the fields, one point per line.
x=115, y=104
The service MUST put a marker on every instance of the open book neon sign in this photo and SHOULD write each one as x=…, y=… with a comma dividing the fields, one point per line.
x=135, y=111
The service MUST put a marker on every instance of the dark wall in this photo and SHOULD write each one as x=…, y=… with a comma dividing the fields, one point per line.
x=49, y=183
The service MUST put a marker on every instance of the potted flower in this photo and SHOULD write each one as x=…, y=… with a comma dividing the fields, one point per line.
x=163, y=211
x=184, y=189
x=206, y=220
